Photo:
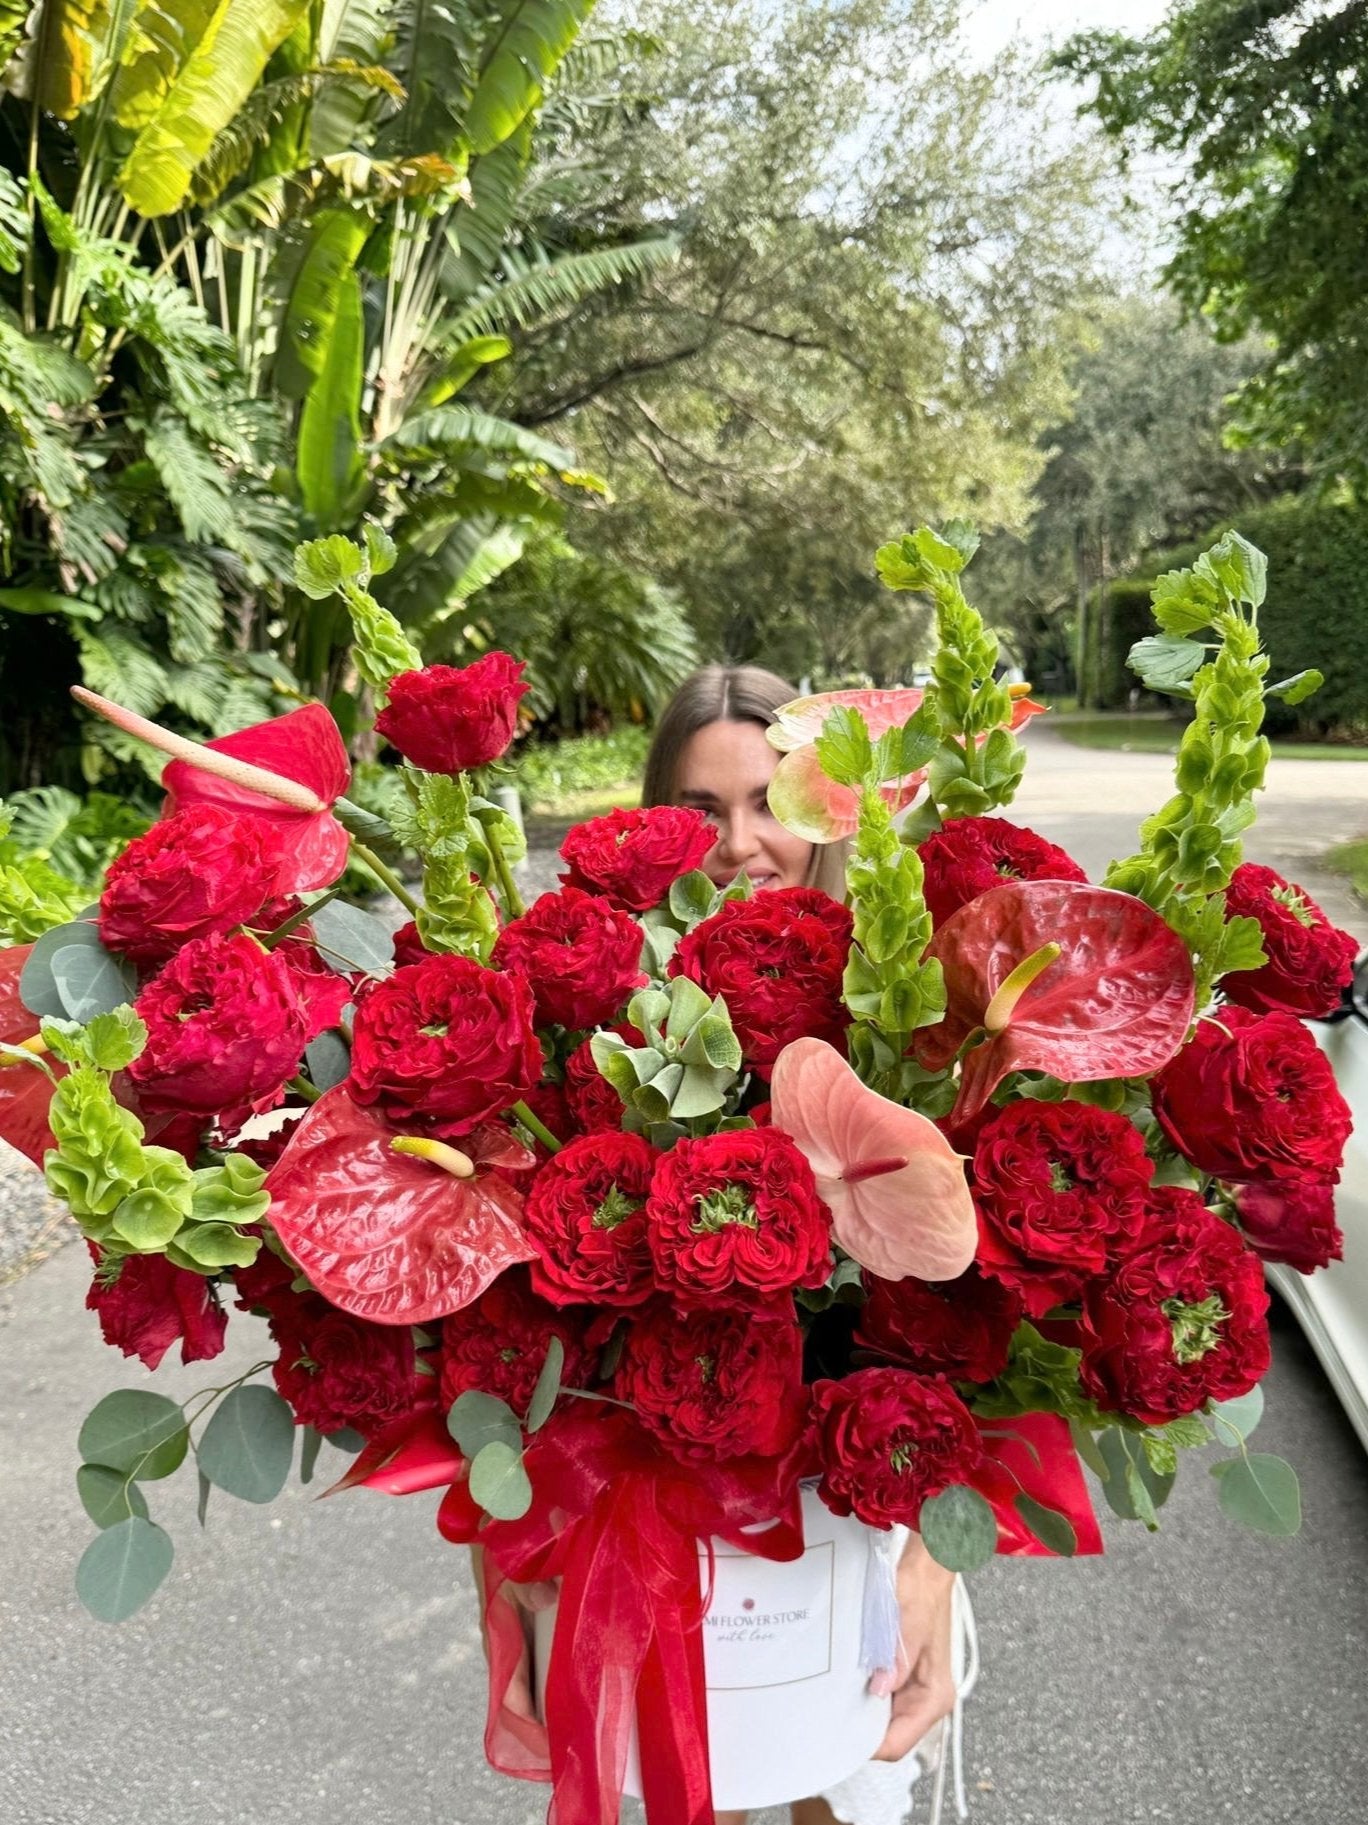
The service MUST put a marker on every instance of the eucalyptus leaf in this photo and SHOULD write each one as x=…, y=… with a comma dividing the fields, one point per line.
x=309, y=1447
x=37, y=988
x=958, y=1528
x=91, y=980
x=248, y=1444
x=477, y=1419
x=548, y=1386
x=1261, y=1492
x=499, y=1483
x=1050, y=1527
x=349, y=939
x=122, y=1567
x=136, y=1431
x=109, y=1496
x=328, y=1059
x=1236, y=1419
x=202, y=1500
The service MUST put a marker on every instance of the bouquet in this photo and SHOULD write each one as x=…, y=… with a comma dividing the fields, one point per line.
x=622, y=1215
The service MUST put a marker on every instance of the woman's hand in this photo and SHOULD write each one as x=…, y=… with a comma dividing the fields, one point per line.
x=527, y=1599
x=923, y=1686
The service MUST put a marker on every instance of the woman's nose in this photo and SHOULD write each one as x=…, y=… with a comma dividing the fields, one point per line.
x=737, y=837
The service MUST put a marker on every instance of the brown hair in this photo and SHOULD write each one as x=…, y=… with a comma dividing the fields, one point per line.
x=728, y=693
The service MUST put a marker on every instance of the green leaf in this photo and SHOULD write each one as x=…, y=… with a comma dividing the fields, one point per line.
x=1261, y=1491
x=37, y=988
x=1240, y=946
x=1085, y=1444
x=49, y=602
x=381, y=550
x=114, y=1039
x=109, y=1496
x=1184, y=603
x=548, y=1386
x=912, y=747
x=1166, y=662
x=692, y=897
x=328, y=462
x=309, y=1447
x=958, y=1528
x=328, y=1058
x=477, y=1419
x=1298, y=687
x=248, y=1444
x=202, y=1498
x=1134, y=1490
x=122, y=1567
x=138, y=1432
x=322, y=567
x=498, y=1481
x=1236, y=1419
x=1240, y=568
x=349, y=939
x=528, y=39
x=1050, y=1527
x=844, y=751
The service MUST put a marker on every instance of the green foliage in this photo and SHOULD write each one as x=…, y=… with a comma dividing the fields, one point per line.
x=439, y=821
x=248, y=1445
x=687, y=1067
x=958, y=1528
x=551, y=775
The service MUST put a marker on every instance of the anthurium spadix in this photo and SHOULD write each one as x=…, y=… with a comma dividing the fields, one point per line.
x=894, y=1185
x=1080, y=982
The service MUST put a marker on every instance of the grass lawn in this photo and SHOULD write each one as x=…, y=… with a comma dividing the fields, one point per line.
x=1351, y=859
x=1155, y=733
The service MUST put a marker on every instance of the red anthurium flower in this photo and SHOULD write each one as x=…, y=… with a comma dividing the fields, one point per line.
x=290, y=770
x=402, y=1234
x=1081, y=982
x=894, y=1185
x=25, y=1091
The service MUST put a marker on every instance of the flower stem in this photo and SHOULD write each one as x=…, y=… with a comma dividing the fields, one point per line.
x=296, y=919
x=386, y=876
x=512, y=899
x=302, y=1087
x=536, y=1128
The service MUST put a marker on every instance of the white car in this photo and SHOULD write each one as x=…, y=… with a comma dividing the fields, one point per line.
x=1332, y=1305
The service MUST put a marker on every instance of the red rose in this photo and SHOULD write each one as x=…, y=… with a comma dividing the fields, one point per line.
x=1310, y=961
x=1293, y=1223
x=324, y=993
x=144, y=1305
x=959, y=1328
x=204, y=870
x=778, y=961
x=336, y=1370
x=446, y=1043
x=631, y=857
x=1181, y=1320
x=226, y=1026
x=581, y=956
x=887, y=1440
x=408, y=946
x=968, y=855
x=586, y=1214
x=449, y=719
x=734, y=1217
x=1054, y=1183
x=716, y=1384
x=595, y=1106
x=498, y=1344
x=1252, y=1097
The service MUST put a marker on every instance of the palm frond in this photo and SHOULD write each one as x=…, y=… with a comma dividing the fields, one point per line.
x=360, y=30
x=526, y=42
x=534, y=290
x=14, y=223
x=436, y=45
x=265, y=109
x=195, y=485
x=39, y=817
x=478, y=229
x=450, y=429
x=117, y=664
x=88, y=535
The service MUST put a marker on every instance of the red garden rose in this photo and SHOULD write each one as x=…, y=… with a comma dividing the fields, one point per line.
x=446, y=1043
x=959, y=1328
x=1181, y=1320
x=204, y=870
x=716, y=1384
x=887, y=1440
x=586, y=1214
x=1251, y=1097
x=336, y=1370
x=631, y=857
x=735, y=1217
x=1054, y=1184
x=325, y=993
x=778, y=961
x=145, y=1304
x=581, y=955
x=1293, y=1223
x=1310, y=961
x=449, y=719
x=226, y=1026
x=595, y=1106
x=968, y=855
x=499, y=1343
x=408, y=946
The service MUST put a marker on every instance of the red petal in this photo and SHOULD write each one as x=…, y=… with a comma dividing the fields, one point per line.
x=381, y=1234
x=25, y=1091
x=1117, y=1003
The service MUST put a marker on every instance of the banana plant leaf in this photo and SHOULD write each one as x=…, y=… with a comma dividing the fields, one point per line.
x=387, y=1236
x=1116, y=1001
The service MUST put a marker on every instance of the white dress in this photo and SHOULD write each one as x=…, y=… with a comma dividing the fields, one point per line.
x=881, y=1793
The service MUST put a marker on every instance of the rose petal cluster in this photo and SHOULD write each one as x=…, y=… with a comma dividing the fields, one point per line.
x=735, y=1217
x=595, y=1106
x=445, y=1044
x=450, y=719
x=336, y=1370
x=1310, y=961
x=145, y=1304
x=1182, y=1318
x=1055, y=1183
x=969, y=855
x=586, y=1213
x=226, y=1027
x=1252, y=1098
x=1292, y=1223
x=960, y=1328
x=201, y=871
x=778, y=961
x=716, y=1384
x=887, y=1440
x=631, y=857
x=498, y=1344
x=581, y=955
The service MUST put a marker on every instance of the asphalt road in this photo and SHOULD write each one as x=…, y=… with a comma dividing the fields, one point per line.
x=317, y=1663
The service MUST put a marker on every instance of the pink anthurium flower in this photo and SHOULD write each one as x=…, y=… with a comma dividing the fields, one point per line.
x=25, y=1091
x=290, y=770
x=894, y=1185
x=397, y=1234
x=1081, y=982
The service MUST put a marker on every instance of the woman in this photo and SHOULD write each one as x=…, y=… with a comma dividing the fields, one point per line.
x=710, y=752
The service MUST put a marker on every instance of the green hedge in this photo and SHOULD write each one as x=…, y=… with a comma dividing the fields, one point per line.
x=1316, y=613
x=1115, y=621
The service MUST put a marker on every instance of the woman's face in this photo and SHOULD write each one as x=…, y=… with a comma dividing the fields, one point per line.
x=725, y=772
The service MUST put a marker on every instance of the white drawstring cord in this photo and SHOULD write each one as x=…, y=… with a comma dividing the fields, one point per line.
x=953, y=1727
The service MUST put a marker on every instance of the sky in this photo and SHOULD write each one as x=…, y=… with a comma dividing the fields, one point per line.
x=999, y=21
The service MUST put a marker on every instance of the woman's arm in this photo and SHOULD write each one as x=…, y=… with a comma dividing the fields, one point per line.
x=923, y=1687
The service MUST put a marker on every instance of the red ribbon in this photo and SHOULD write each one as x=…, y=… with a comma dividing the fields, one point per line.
x=1034, y=1455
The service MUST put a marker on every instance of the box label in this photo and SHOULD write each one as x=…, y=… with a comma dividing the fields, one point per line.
x=770, y=1622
